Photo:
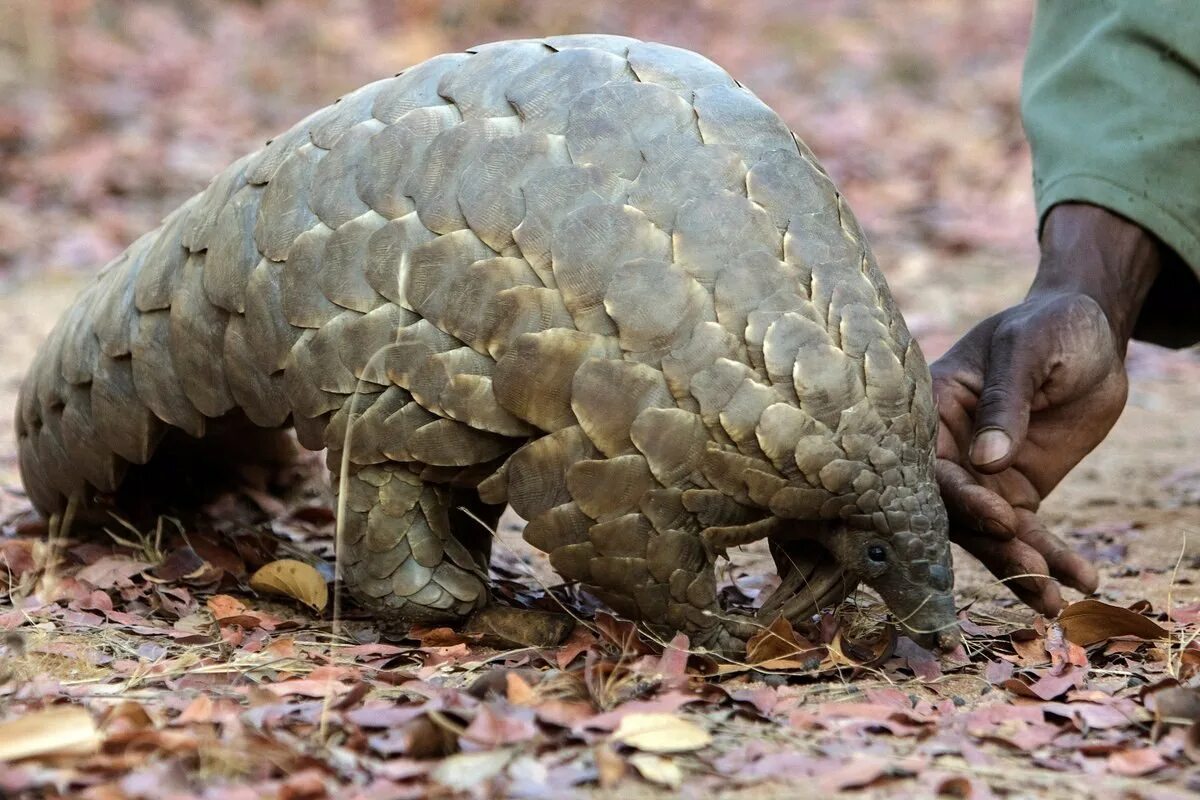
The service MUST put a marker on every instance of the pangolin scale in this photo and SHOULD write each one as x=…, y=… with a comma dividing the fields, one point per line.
x=591, y=277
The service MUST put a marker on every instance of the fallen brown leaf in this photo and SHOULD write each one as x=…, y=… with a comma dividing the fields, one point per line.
x=294, y=579
x=1091, y=621
x=1135, y=762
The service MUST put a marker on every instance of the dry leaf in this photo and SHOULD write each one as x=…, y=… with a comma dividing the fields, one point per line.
x=222, y=606
x=660, y=733
x=1135, y=762
x=293, y=579
x=463, y=771
x=1174, y=705
x=778, y=640
x=1090, y=621
x=58, y=730
x=610, y=767
x=518, y=691
x=657, y=769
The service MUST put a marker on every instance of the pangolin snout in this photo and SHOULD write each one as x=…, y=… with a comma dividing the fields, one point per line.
x=933, y=625
x=943, y=641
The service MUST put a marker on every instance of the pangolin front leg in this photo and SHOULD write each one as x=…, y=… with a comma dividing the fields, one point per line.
x=400, y=557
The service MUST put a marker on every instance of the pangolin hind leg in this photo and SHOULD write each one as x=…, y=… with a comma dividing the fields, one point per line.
x=400, y=557
x=810, y=580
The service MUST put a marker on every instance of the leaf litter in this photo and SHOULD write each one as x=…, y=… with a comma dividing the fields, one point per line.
x=109, y=672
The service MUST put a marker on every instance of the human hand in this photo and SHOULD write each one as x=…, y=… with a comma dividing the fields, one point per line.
x=1029, y=392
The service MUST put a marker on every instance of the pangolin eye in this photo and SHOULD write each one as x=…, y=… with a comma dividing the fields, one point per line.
x=876, y=553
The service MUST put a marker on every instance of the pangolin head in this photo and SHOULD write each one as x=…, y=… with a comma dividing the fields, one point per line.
x=902, y=552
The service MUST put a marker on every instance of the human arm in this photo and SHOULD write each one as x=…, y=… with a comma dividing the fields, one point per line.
x=1108, y=102
x=1027, y=393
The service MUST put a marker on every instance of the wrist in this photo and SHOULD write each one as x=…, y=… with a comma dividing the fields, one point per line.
x=1089, y=250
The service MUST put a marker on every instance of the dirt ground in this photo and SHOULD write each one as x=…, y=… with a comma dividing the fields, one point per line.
x=912, y=107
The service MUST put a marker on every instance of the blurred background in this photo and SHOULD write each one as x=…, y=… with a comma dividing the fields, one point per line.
x=114, y=111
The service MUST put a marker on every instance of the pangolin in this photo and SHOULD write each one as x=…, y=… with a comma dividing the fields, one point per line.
x=588, y=276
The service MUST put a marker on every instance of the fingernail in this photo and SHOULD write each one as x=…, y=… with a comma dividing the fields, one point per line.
x=990, y=445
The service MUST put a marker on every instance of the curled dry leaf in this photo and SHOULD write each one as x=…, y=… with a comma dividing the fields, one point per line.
x=660, y=733
x=868, y=651
x=58, y=730
x=780, y=647
x=293, y=579
x=1090, y=621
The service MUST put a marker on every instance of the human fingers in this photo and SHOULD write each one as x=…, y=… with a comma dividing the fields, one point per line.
x=1015, y=369
x=1019, y=567
x=971, y=505
x=1065, y=564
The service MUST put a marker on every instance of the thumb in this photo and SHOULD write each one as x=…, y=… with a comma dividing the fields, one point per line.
x=1014, y=370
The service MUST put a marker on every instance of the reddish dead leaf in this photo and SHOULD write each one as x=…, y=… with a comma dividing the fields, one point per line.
x=623, y=634
x=1096, y=716
x=311, y=784
x=385, y=715
x=436, y=637
x=778, y=647
x=972, y=628
x=1135, y=762
x=223, y=606
x=672, y=665
x=998, y=672
x=16, y=557
x=220, y=552
x=1048, y=685
x=665, y=703
x=1030, y=648
x=924, y=664
x=183, y=565
x=564, y=713
x=763, y=698
x=1062, y=651
x=199, y=711
x=111, y=571
x=867, y=716
x=126, y=716
x=1018, y=733
x=517, y=690
x=579, y=640
x=1091, y=621
x=377, y=651
x=1188, y=615
x=856, y=773
x=435, y=656
x=495, y=725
